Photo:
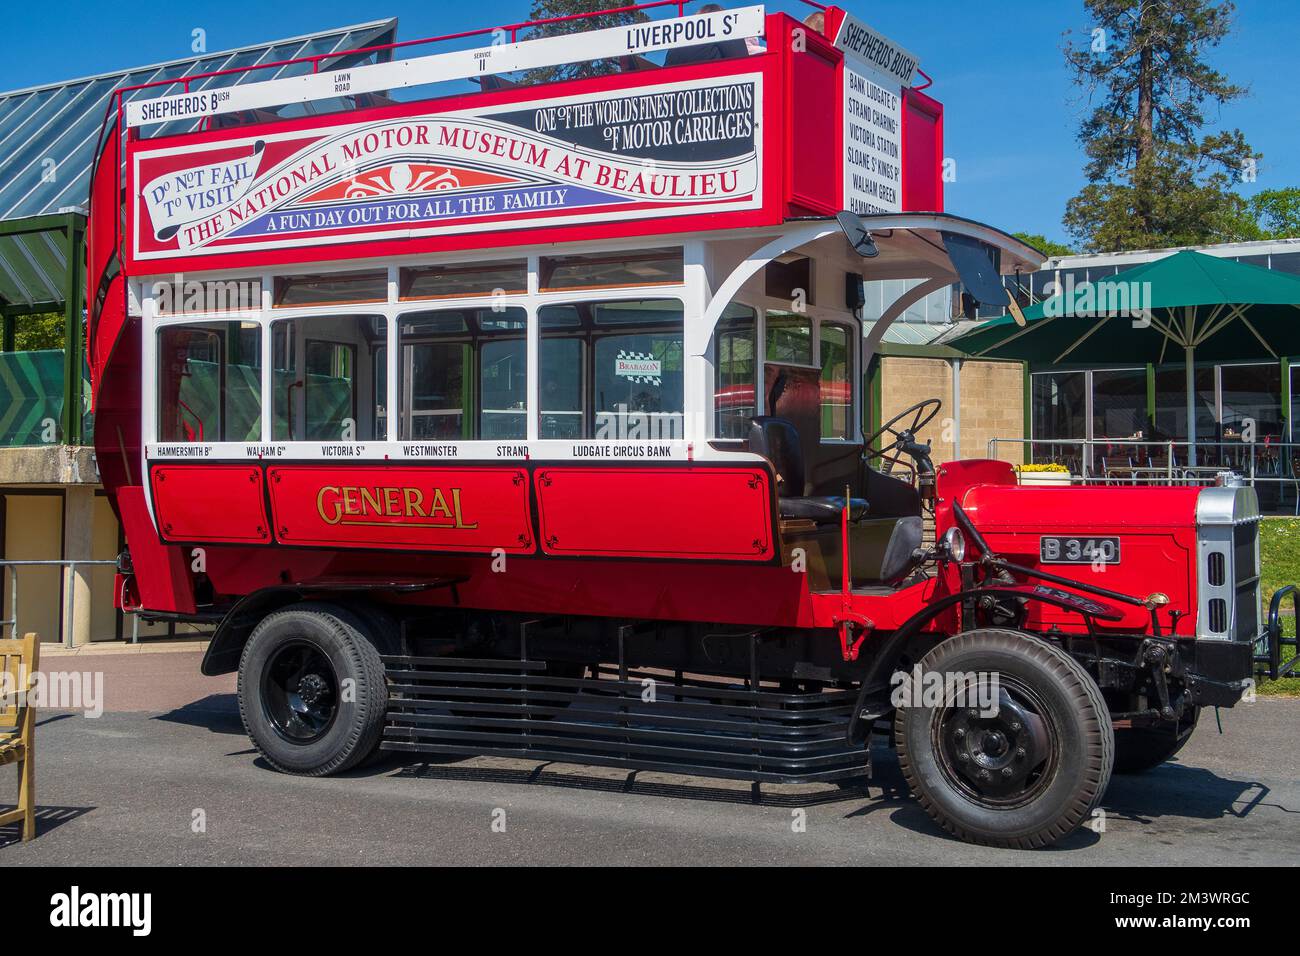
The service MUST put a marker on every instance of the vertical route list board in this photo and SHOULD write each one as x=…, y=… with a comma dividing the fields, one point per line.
x=876, y=70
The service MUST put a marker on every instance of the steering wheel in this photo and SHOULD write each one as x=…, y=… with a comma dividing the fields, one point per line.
x=922, y=413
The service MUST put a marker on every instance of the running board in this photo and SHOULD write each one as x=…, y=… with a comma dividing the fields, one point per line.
x=616, y=717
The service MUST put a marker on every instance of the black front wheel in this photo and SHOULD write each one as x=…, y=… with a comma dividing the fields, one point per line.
x=311, y=690
x=1005, y=739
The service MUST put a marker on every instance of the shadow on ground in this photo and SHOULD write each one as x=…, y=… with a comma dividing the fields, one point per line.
x=47, y=819
x=1176, y=790
x=218, y=713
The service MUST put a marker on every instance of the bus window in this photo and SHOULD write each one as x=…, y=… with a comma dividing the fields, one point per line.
x=210, y=382
x=324, y=376
x=737, y=372
x=330, y=288
x=463, y=280
x=789, y=338
x=611, y=370
x=837, y=382
x=463, y=374
x=609, y=270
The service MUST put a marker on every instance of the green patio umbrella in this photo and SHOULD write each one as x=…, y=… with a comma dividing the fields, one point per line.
x=1206, y=307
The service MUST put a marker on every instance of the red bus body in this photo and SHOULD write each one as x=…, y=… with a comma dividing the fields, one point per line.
x=727, y=548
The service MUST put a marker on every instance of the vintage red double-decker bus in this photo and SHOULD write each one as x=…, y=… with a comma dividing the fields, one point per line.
x=527, y=421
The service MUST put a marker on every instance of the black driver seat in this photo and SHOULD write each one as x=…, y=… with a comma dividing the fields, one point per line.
x=777, y=440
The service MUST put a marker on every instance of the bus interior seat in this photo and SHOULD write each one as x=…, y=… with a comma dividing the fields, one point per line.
x=777, y=440
x=884, y=544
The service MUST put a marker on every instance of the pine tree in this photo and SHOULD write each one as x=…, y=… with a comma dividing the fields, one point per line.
x=551, y=9
x=1155, y=178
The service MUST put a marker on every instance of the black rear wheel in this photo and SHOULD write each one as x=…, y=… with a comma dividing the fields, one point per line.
x=1138, y=749
x=312, y=693
x=1012, y=746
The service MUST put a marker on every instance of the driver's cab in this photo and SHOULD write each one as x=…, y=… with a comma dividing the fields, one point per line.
x=789, y=352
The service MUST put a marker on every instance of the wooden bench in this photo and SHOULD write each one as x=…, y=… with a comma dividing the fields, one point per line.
x=18, y=662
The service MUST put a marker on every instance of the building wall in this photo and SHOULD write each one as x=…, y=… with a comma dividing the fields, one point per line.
x=906, y=381
x=33, y=531
x=992, y=406
x=992, y=403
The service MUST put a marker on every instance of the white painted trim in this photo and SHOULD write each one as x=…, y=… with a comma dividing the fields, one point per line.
x=638, y=38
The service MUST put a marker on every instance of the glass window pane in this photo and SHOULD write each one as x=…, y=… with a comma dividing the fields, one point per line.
x=480, y=278
x=463, y=374
x=638, y=385
x=1058, y=402
x=333, y=288
x=837, y=382
x=209, y=382
x=326, y=377
x=1119, y=403
x=503, y=372
x=1171, y=403
x=611, y=270
x=736, y=372
x=789, y=338
x=207, y=295
x=562, y=388
x=1251, y=395
x=612, y=370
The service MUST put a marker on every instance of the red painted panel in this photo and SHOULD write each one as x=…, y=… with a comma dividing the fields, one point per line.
x=814, y=132
x=221, y=504
x=689, y=513
x=473, y=510
x=922, y=153
x=161, y=571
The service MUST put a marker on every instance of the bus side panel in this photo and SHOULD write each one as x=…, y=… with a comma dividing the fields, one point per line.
x=691, y=513
x=460, y=509
x=222, y=504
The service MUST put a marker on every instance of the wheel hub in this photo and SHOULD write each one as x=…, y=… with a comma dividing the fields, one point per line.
x=299, y=692
x=312, y=689
x=995, y=754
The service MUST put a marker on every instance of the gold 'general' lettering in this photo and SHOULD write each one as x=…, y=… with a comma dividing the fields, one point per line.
x=384, y=506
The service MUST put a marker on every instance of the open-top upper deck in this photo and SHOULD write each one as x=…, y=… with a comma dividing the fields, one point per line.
x=729, y=119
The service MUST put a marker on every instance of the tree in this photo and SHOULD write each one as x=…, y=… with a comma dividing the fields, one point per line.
x=1043, y=244
x=33, y=333
x=1278, y=212
x=553, y=9
x=1155, y=178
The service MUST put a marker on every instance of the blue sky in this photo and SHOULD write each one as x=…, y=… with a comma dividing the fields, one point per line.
x=1010, y=110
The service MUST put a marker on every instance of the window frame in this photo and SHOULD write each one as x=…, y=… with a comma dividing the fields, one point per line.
x=817, y=316
x=588, y=334
x=690, y=294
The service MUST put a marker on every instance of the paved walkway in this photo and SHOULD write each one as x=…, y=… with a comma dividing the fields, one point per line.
x=128, y=788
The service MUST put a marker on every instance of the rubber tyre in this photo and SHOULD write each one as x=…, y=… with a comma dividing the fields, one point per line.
x=356, y=729
x=1084, y=752
x=1138, y=749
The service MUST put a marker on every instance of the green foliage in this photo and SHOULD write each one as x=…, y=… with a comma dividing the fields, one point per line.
x=35, y=332
x=1279, y=564
x=550, y=9
x=1156, y=179
x=1043, y=244
x=1277, y=212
